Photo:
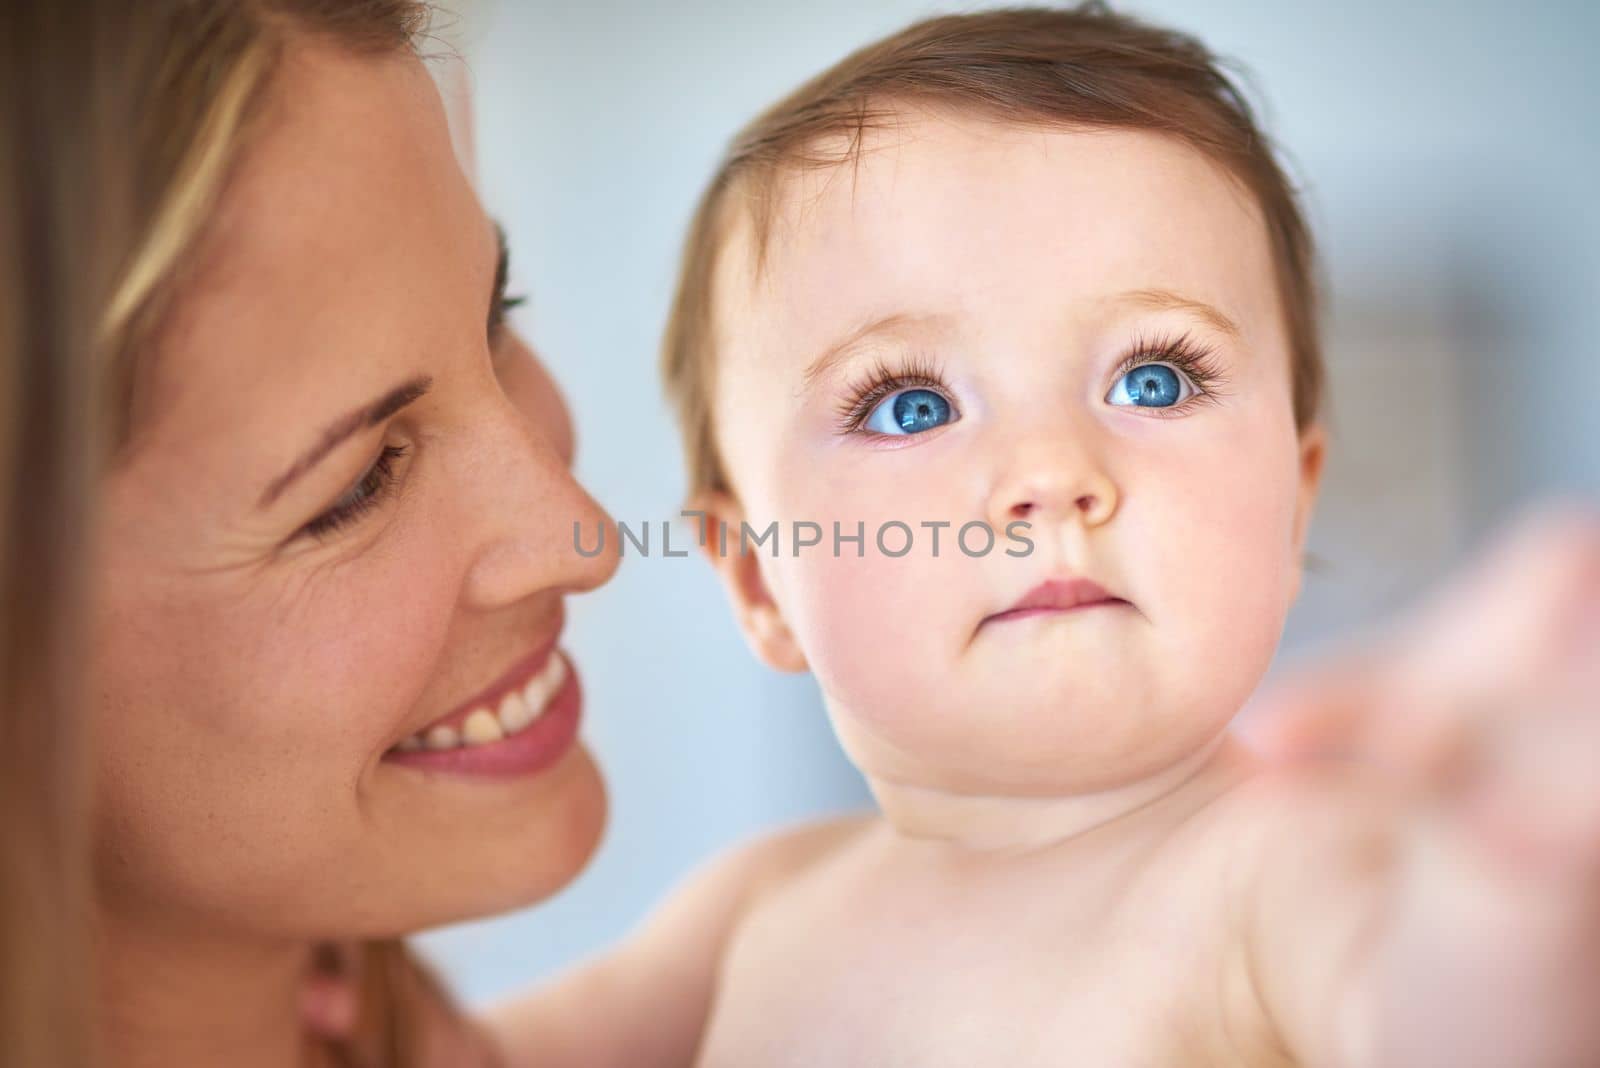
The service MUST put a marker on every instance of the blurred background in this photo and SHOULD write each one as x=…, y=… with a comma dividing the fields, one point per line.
x=1448, y=155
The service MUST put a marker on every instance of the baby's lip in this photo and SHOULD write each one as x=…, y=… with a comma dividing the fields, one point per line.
x=1057, y=595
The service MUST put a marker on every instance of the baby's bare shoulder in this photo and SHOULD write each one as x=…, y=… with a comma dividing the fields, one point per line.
x=1277, y=847
x=1313, y=850
x=1277, y=813
x=765, y=864
x=1284, y=868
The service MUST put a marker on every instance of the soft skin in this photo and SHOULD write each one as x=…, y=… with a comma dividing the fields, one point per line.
x=251, y=676
x=1008, y=252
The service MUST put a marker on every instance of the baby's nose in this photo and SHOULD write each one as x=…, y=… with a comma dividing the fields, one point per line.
x=1052, y=484
x=1087, y=503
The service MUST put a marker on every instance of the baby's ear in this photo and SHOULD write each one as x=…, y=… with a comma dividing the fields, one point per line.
x=1313, y=456
x=757, y=614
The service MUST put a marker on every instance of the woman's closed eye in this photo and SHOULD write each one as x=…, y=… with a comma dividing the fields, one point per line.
x=368, y=492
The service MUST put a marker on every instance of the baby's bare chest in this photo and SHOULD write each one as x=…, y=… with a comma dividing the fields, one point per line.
x=896, y=975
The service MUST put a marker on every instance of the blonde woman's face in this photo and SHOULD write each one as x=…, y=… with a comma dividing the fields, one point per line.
x=344, y=524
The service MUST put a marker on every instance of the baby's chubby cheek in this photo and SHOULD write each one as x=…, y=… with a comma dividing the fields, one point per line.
x=872, y=626
x=1211, y=565
x=880, y=616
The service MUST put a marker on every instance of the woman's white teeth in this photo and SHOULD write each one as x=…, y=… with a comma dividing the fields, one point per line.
x=516, y=712
x=544, y=685
x=481, y=728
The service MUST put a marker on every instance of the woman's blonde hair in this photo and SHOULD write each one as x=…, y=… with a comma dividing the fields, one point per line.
x=121, y=125
x=63, y=228
x=199, y=91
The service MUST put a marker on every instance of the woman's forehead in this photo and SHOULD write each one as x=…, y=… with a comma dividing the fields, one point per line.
x=346, y=244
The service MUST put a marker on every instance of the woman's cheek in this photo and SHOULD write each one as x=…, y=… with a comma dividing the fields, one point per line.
x=382, y=658
x=314, y=674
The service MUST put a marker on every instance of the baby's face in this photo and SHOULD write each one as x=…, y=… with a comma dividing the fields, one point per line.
x=977, y=291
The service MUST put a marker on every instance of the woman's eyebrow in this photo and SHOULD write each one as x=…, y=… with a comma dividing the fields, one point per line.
x=343, y=428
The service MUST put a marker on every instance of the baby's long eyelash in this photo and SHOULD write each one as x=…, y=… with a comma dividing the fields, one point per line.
x=368, y=492
x=918, y=372
x=1194, y=358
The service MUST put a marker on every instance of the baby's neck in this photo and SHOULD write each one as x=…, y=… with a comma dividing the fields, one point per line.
x=1024, y=824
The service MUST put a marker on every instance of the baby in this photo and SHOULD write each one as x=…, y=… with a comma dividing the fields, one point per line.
x=996, y=358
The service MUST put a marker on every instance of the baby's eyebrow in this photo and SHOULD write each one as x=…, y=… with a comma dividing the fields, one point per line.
x=842, y=349
x=901, y=322
x=1166, y=300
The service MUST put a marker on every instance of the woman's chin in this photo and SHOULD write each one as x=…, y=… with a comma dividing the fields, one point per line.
x=547, y=855
x=526, y=851
x=568, y=837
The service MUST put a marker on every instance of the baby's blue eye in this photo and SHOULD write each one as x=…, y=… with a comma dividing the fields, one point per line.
x=1150, y=385
x=909, y=412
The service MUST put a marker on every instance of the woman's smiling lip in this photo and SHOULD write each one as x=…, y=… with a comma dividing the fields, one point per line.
x=521, y=723
x=1057, y=595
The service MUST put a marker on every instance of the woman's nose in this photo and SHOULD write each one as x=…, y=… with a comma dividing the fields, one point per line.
x=543, y=405
x=532, y=517
x=1050, y=478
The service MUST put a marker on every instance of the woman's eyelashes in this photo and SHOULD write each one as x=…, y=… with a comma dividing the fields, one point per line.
x=1154, y=375
x=499, y=302
x=497, y=316
x=380, y=479
x=896, y=403
x=369, y=491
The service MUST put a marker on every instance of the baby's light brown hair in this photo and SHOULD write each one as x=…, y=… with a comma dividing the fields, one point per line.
x=1084, y=67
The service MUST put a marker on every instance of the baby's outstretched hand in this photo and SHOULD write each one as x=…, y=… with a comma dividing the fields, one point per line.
x=1484, y=705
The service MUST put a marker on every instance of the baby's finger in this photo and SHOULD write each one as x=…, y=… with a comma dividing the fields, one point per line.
x=1322, y=707
x=1413, y=697
x=1520, y=633
x=1521, y=609
x=1539, y=798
